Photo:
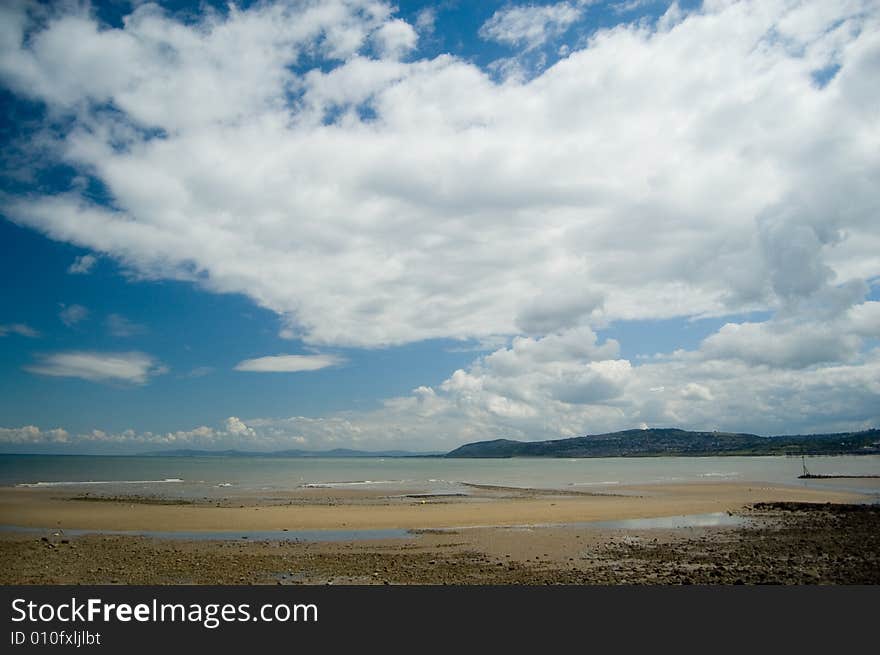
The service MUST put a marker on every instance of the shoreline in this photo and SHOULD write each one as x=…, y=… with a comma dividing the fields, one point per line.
x=498, y=535
x=781, y=543
x=757, y=533
x=335, y=509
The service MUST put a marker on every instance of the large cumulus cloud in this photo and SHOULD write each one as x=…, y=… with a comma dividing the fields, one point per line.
x=694, y=166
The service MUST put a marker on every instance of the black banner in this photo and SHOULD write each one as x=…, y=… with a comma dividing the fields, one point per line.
x=240, y=619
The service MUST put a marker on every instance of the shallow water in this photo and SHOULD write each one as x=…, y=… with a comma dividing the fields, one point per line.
x=218, y=477
x=717, y=519
x=713, y=520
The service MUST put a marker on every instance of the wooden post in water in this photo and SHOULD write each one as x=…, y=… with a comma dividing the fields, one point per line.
x=806, y=474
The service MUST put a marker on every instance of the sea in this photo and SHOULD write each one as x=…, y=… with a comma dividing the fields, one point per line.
x=218, y=477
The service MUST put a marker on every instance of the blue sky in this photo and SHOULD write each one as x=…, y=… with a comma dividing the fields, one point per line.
x=200, y=336
x=355, y=224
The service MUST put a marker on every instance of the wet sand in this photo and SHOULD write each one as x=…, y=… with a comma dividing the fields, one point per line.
x=317, y=509
x=528, y=537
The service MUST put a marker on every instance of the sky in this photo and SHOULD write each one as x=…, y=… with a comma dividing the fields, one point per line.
x=355, y=224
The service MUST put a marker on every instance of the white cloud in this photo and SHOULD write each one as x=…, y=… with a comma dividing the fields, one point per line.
x=694, y=391
x=82, y=265
x=288, y=363
x=119, y=326
x=864, y=319
x=425, y=20
x=531, y=25
x=30, y=434
x=287, y=333
x=803, y=335
x=630, y=5
x=200, y=372
x=70, y=315
x=128, y=367
x=790, y=345
x=395, y=39
x=20, y=329
x=690, y=168
x=235, y=425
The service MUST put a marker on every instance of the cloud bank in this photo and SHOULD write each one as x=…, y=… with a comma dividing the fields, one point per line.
x=571, y=383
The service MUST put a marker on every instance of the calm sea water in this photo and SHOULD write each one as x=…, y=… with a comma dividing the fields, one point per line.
x=221, y=476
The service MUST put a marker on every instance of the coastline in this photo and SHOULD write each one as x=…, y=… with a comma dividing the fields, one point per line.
x=776, y=534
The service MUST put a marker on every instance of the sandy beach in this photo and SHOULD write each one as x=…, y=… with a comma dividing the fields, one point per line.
x=318, y=509
x=496, y=535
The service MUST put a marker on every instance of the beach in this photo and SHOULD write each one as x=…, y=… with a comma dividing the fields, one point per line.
x=696, y=532
x=333, y=509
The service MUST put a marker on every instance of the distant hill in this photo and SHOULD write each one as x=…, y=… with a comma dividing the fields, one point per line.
x=336, y=452
x=671, y=441
x=629, y=443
